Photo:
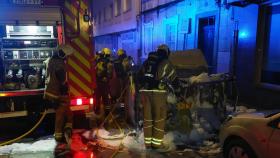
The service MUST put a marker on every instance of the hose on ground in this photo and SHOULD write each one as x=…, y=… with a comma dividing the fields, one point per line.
x=27, y=133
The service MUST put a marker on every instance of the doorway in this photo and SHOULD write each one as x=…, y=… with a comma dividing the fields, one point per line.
x=206, y=40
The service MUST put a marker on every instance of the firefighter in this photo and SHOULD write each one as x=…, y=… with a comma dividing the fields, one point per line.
x=104, y=72
x=156, y=73
x=56, y=91
x=124, y=88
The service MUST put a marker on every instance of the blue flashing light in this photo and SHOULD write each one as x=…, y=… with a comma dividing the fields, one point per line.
x=243, y=34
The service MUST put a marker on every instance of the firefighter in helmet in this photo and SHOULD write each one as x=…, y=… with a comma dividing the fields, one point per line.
x=56, y=92
x=156, y=73
x=124, y=88
x=104, y=72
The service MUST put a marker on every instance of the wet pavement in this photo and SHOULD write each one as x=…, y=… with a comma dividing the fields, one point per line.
x=82, y=148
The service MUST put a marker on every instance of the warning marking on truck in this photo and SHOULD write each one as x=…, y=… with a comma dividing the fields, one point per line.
x=79, y=65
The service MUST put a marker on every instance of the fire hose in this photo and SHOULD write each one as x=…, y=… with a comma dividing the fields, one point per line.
x=27, y=133
x=116, y=123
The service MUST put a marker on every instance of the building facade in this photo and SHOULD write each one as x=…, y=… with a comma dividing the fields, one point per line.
x=187, y=24
x=236, y=36
x=115, y=25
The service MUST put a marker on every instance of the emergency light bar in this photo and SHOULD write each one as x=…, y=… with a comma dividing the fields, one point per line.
x=81, y=101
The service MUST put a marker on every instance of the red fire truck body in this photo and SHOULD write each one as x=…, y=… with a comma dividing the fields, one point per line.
x=30, y=32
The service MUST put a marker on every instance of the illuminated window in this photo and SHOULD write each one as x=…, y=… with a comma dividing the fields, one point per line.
x=127, y=5
x=117, y=7
x=270, y=70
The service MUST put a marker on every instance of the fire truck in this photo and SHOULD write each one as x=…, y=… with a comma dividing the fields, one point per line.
x=30, y=32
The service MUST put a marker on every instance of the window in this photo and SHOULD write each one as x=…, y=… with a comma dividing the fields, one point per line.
x=170, y=32
x=270, y=70
x=117, y=7
x=108, y=11
x=127, y=5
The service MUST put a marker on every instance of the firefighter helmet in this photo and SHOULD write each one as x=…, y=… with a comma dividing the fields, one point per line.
x=106, y=51
x=121, y=52
x=163, y=48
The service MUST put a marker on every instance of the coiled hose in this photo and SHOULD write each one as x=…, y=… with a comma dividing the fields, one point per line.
x=27, y=133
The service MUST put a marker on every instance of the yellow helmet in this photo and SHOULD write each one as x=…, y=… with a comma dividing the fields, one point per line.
x=121, y=52
x=107, y=51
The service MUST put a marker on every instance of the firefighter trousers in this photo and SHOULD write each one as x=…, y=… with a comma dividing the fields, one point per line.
x=63, y=120
x=102, y=97
x=155, y=108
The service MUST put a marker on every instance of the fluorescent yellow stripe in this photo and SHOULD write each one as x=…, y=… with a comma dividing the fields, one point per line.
x=148, y=126
x=157, y=140
x=82, y=46
x=148, y=138
x=74, y=91
x=83, y=6
x=84, y=74
x=58, y=134
x=148, y=142
x=156, y=143
x=80, y=83
x=148, y=120
x=82, y=59
x=69, y=6
x=160, y=120
x=70, y=21
x=158, y=129
x=68, y=125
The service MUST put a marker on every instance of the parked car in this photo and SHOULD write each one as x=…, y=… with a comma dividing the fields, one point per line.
x=251, y=135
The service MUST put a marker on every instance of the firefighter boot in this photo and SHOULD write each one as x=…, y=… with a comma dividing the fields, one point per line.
x=68, y=135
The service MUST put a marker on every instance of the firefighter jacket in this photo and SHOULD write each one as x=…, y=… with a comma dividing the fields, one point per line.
x=122, y=66
x=55, y=82
x=104, y=69
x=162, y=78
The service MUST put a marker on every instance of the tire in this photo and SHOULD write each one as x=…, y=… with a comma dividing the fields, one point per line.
x=238, y=148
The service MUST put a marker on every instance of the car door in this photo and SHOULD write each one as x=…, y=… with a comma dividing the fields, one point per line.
x=274, y=143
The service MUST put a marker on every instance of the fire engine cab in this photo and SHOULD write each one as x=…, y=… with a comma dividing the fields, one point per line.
x=30, y=31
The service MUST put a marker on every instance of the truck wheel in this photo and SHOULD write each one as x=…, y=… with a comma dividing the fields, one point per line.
x=238, y=148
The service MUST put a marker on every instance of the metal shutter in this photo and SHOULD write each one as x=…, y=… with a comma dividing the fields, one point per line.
x=29, y=15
